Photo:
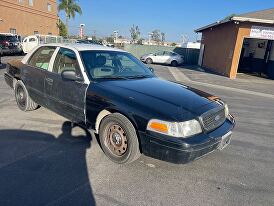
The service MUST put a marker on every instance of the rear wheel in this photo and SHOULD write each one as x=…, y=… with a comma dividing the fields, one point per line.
x=149, y=61
x=174, y=63
x=24, y=102
x=118, y=139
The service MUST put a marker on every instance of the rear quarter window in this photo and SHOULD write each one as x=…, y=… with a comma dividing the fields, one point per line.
x=41, y=57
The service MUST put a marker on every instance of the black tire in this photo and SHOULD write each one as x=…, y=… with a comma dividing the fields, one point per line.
x=127, y=149
x=23, y=100
x=149, y=61
x=174, y=63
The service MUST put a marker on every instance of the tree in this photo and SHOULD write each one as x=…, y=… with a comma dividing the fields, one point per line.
x=140, y=41
x=110, y=39
x=70, y=8
x=135, y=33
x=173, y=44
x=156, y=36
x=62, y=28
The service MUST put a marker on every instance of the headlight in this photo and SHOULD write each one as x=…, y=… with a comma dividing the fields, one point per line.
x=226, y=110
x=175, y=129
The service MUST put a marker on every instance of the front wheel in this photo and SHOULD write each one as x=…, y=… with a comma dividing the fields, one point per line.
x=149, y=61
x=24, y=102
x=174, y=63
x=118, y=139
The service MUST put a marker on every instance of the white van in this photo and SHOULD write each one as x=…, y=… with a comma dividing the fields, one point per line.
x=30, y=42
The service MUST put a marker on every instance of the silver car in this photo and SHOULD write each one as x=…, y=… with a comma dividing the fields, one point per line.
x=163, y=57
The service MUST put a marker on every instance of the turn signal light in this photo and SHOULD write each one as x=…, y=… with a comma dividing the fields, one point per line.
x=160, y=127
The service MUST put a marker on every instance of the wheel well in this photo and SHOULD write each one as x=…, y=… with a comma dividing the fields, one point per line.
x=99, y=118
x=105, y=113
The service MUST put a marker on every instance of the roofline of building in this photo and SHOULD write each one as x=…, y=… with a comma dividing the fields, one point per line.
x=235, y=18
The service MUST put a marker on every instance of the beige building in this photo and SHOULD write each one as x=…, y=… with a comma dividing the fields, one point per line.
x=241, y=43
x=27, y=17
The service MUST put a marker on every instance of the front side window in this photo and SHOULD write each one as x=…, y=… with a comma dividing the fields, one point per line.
x=66, y=60
x=41, y=57
x=112, y=64
x=161, y=53
x=32, y=40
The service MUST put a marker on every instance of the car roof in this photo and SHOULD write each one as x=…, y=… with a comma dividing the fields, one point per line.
x=86, y=47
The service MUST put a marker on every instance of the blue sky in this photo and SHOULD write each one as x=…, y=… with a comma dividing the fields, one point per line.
x=174, y=17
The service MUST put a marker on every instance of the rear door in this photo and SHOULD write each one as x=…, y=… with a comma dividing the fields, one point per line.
x=33, y=73
x=66, y=98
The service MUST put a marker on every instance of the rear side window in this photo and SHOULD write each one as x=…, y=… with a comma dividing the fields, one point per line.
x=41, y=57
x=66, y=60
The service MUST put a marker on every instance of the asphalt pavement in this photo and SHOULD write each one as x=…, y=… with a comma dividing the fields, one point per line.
x=45, y=162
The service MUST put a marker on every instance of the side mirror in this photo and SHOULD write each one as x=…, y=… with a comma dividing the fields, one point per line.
x=151, y=69
x=70, y=75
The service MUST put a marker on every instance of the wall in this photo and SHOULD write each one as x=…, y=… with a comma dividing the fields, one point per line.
x=191, y=56
x=26, y=19
x=219, y=48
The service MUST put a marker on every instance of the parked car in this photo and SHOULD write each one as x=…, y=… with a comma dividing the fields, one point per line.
x=30, y=42
x=10, y=44
x=88, y=41
x=163, y=57
x=109, y=91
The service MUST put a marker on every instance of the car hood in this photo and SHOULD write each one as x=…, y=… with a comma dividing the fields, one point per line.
x=161, y=96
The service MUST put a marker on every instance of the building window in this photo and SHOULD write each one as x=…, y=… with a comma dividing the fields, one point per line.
x=12, y=31
x=21, y=1
x=35, y=32
x=49, y=33
x=49, y=7
x=30, y=2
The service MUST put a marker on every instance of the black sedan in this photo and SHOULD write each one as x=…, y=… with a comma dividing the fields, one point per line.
x=113, y=93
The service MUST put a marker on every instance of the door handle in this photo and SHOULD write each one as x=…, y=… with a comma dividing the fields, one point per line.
x=49, y=81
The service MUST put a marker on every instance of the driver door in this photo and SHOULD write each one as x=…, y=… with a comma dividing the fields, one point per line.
x=158, y=57
x=66, y=97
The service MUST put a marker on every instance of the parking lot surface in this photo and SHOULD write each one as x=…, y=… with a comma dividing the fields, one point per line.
x=45, y=162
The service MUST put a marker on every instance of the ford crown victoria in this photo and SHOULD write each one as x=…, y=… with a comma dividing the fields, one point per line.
x=113, y=93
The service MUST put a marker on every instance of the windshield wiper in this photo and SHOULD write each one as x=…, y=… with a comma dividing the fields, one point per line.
x=112, y=77
x=138, y=76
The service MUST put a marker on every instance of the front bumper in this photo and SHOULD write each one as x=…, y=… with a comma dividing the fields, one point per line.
x=181, y=151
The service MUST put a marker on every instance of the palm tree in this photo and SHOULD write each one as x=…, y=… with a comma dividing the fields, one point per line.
x=70, y=7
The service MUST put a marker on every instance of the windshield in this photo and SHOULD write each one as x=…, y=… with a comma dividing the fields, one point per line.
x=11, y=38
x=113, y=64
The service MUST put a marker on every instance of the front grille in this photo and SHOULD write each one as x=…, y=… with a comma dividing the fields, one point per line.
x=213, y=118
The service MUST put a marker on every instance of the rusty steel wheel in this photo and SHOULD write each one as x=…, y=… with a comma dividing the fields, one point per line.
x=118, y=139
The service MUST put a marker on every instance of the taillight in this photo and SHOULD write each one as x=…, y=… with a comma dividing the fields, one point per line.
x=6, y=43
